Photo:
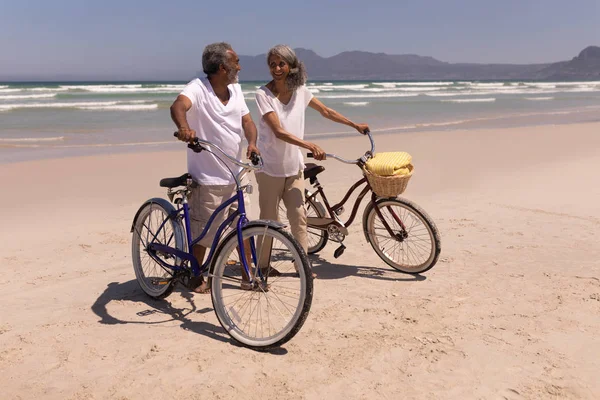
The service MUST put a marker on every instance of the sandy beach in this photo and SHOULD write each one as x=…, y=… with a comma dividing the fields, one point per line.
x=511, y=310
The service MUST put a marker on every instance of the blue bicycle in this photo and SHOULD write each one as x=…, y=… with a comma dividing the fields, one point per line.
x=260, y=278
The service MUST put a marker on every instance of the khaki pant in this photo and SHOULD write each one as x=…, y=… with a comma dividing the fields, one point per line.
x=291, y=190
x=204, y=200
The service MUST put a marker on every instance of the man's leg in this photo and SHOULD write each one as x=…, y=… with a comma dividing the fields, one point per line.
x=199, y=252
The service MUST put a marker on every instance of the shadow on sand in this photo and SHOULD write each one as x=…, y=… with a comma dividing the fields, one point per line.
x=130, y=291
x=331, y=270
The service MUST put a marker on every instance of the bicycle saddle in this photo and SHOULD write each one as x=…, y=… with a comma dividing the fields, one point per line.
x=312, y=170
x=174, y=182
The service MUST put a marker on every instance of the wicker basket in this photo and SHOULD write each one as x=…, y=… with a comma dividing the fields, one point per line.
x=388, y=186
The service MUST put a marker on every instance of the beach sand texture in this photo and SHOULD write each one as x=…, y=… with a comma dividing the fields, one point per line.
x=511, y=310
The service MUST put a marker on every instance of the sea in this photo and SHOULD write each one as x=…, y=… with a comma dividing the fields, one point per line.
x=62, y=119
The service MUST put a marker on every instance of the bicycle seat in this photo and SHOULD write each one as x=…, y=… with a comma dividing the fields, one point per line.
x=174, y=182
x=312, y=170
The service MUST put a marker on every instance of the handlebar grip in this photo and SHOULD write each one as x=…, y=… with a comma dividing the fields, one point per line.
x=366, y=131
x=176, y=134
x=255, y=158
x=310, y=155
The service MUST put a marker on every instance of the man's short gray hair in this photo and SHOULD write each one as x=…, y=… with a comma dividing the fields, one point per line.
x=213, y=56
x=297, y=76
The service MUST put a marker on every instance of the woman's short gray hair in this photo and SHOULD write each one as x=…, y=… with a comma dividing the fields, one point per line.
x=213, y=56
x=297, y=76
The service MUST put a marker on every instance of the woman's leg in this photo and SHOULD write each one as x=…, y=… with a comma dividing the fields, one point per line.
x=269, y=194
x=293, y=198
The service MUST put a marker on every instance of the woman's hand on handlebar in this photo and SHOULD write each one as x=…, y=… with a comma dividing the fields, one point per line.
x=186, y=135
x=362, y=128
x=317, y=152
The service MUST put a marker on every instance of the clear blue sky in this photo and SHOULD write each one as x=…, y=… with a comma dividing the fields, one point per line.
x=151, y=37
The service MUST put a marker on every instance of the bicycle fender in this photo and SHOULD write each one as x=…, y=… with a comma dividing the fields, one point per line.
x=158, y=200
x=272, y=224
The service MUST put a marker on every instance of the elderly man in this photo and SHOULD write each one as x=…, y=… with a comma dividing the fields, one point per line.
x=213, y=109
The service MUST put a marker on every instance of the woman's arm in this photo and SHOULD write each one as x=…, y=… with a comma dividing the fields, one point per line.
x=335, y=116
x=273, y=122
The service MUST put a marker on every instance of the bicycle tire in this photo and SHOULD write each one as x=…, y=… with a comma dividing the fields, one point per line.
x=153, y=279
x=226, y=292
x=395, y=252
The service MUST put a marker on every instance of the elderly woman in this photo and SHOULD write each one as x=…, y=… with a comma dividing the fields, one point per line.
x=282, y=103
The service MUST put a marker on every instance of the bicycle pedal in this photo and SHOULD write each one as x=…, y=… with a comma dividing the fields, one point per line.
x=339, y=251
x=160, y=281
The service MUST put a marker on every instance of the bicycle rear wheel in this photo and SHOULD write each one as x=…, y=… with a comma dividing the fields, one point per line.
x=272, y=311
x=317, y=238
x=415, y=244
x=155, y=280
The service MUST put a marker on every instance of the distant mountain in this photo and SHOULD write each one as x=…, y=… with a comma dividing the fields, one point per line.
x=585, y=66
x=361, y=65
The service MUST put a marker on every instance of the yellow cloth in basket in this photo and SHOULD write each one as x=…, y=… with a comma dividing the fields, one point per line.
x=389, y=164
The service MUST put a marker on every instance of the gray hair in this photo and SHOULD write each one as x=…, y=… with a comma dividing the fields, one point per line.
x=297, y=76
x=213, y=56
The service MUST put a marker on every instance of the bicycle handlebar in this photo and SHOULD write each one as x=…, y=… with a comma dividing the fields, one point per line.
x=197, y=146
x=371, y=152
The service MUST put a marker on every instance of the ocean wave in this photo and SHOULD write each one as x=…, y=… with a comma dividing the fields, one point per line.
x=97, y=105
x=74, y=146
x=18, y=140
x=356, y=103
x=367, y=95
x=394, y=84
x=129, y=107
x=539, y=98
x=27, y=96
x=130, y=89
x=486, y=100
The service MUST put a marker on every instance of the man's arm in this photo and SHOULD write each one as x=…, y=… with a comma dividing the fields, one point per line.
x=178, y=109
x=250, y=133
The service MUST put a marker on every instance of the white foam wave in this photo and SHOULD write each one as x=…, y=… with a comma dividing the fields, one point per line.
x=130, y=107
x=128, y=88
x=18, y=140
x=27, y=96
x=539, y=98
x=486, y=100
x=91, y=105
x=394, y=84
x=367, y=95
x=356, y=103
x=73, y=146
x=9, y=90
x=340, y=87
x=3, y=86
x=312, y=89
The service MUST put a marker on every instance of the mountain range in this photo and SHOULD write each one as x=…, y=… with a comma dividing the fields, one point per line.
x=361, y=65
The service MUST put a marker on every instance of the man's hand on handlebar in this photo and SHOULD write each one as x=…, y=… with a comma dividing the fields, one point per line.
x=252, y=149
x=186, y=134
x=362, y=128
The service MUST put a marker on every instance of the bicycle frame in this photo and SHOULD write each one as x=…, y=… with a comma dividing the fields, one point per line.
x=240, y=214
x=332, y=210
x=197, y=269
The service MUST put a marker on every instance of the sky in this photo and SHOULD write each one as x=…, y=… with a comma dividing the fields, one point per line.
x=163, y=39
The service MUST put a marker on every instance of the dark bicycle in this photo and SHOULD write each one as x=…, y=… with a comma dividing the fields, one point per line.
x=257, y=310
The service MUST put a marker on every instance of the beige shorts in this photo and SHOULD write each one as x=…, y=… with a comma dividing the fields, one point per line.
x=203, y=202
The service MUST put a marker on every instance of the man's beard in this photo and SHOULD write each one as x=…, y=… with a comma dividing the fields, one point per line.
x=232, y=76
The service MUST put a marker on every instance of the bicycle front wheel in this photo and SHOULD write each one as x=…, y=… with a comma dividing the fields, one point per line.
x=270, y=312
x=414, y=245
x=150, y=227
